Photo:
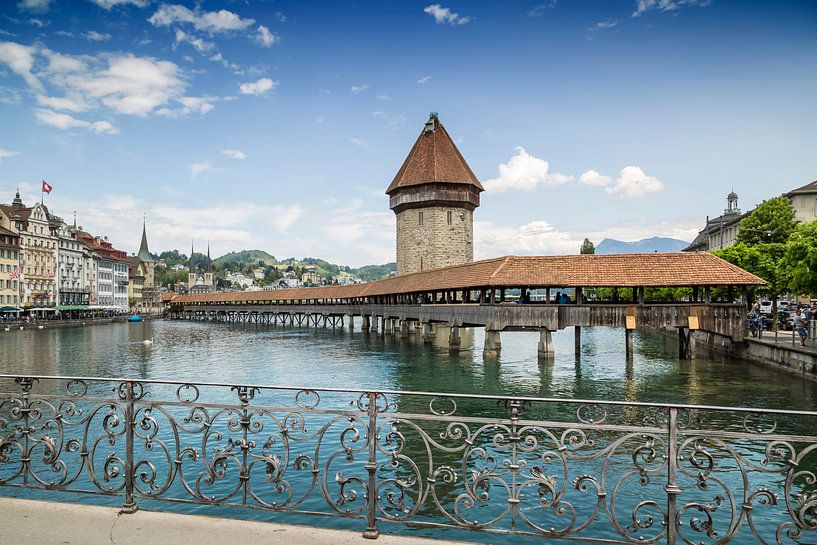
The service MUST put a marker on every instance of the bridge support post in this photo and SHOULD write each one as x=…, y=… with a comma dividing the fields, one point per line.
x=351, y=322
x=454, y=340
x=388, y=325
x=428, y=335
x=374, y=323
x=545, y=350
x=402, y=329
x=493, y=343
x=628, y=344
x=365, y=322
x=577, y=340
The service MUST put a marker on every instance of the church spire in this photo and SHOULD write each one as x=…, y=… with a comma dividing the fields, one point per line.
x=190, y=264
x=144, y=253
x=209, y=261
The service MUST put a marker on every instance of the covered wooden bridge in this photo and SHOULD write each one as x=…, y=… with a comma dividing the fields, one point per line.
x=606, y=290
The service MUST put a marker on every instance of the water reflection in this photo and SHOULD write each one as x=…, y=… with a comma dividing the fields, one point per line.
x=338, y=358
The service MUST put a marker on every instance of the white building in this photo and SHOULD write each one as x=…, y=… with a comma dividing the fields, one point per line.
x=72, y=277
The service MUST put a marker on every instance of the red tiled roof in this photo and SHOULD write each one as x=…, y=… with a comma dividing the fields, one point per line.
x=434, y=159
x=568, y=271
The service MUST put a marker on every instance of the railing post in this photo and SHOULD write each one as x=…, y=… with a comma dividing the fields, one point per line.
x=371, y=466
x=130, y=416
x=672, y=489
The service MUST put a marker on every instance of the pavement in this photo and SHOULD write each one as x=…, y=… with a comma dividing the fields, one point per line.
x=27, y=522
x=786, y=339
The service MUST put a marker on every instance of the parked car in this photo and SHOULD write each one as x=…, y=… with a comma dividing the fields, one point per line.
x=766, y=308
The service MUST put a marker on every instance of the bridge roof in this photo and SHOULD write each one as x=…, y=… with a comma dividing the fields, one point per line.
x=568, y=271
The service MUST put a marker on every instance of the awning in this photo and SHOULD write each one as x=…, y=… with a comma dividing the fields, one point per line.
x=72, y=307
x=42, y=309
x=10, y=309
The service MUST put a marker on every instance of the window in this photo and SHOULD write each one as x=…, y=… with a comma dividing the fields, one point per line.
x=450, y=215
x=420, y=218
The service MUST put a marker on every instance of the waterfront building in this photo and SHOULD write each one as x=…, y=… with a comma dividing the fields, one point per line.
x=72, y=278
x=38, y=243
x=309, y=275
x=111, y=272
x=804, y=201
x=434, y=195
x=141, y=274
x=9, y=268
x=722, y=231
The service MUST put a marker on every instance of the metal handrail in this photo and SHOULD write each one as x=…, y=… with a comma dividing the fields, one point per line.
x=490, y=397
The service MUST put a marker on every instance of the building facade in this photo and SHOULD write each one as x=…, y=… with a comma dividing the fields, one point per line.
x=142, y=292
x=804, y=201
x=72, y=279
x=722, y=231
x=200, y=277
x=9, y=268
x=434, y=195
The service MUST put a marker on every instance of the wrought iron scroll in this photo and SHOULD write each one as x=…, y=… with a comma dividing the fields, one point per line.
x=588, y=470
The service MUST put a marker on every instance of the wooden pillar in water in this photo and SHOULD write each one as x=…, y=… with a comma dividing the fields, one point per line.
x=428, y=334
x=545, y=350
x=577, y=339
x=454, y=340
x=365, y=325
x=402, y=329
x=493, y=343
x=629, y=328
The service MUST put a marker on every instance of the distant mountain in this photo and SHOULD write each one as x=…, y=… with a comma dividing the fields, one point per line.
x=643, y=246
x=252, y=258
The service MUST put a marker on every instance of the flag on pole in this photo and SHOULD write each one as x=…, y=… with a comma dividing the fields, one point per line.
x=46, y=188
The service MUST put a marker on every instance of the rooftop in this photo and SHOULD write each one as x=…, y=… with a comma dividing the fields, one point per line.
x=434, y=159
x=567, y=271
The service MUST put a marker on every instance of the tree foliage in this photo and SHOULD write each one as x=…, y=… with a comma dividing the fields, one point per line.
x=762, y=260
x=772, y=222
x=587, y=247
x=799, y=262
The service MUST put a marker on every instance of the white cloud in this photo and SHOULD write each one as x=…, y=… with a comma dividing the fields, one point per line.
x=65, y=121
x=212, y=22
x=20, y=59
x=234, y=154
x=383, y=97
x=633, y=182
x=265, y=37
x=189, y=106
x=6, y=153
x=39, y=23
x=540, y=9
x=533, y=238
x=424, y=79
x=643, y=6
x=604, y=25
x=591, y=177
x=259, y=87
x=524, y=172
x=72, y=104
x=280, y=17
x=358, y=142
x=200, y=45
x=109, y=4
x=34, y=5
x=94, y=36
x=198, y=168
x=359, y=88
x=444, y=15
x=281, y=218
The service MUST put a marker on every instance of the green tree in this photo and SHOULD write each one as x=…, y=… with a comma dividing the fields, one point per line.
x=772, y=222
x=587, y=247
x=799, y=262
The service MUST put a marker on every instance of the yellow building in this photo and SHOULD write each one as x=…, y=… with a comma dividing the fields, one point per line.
x=9, y=270
x=804, y=201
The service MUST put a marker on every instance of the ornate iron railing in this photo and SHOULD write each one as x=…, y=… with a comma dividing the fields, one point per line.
x=611, y=472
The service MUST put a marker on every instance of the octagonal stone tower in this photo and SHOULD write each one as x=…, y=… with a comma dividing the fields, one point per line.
x=434, y=195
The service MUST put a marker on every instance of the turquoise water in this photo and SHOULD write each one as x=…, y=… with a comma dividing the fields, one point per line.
x=314, y=358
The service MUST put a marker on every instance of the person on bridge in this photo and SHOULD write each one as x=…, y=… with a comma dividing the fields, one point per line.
x=799, y=323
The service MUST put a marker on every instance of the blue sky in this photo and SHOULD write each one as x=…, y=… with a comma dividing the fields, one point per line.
x=278, y=125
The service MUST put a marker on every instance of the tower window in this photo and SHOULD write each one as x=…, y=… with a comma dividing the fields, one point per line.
x=420, y=218
x=450, y=217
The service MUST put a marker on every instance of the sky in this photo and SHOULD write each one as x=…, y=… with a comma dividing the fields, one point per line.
x=278, y=125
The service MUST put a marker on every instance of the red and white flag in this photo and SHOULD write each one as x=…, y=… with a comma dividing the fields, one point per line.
x=46, y=188
x=15, y=273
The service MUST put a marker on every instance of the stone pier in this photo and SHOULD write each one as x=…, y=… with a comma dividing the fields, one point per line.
x=454, y=339
x=545, y=351
x=493, y=343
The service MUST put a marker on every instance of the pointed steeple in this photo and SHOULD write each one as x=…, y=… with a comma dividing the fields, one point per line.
x=191, y=264
x=209, y=261
x=144, y=253
x=434, y=159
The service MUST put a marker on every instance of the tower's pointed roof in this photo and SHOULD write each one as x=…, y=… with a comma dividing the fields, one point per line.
x=434, y=159
x=191, y=265
x=144, y=253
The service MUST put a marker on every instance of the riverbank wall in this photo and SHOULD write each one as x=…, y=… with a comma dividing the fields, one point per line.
x=782, y=355
x=59, y=324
